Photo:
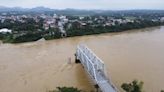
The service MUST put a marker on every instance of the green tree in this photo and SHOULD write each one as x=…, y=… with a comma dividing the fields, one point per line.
x=66, y=89
x=135, y=86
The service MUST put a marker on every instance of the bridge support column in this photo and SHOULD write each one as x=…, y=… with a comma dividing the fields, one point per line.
x=97, y=87
x=77, y=60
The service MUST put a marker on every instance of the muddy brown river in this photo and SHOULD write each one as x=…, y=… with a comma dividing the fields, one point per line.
x=43, y=66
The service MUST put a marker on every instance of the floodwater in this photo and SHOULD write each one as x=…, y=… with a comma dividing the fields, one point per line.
x=44, y=65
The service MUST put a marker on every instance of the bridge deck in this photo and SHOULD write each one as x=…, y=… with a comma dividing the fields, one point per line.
x=105, y=85
x=95, y=68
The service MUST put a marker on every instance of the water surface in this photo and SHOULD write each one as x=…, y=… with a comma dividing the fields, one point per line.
x=42, y=66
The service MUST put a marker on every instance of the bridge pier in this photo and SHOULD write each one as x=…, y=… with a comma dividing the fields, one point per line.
x=77, y=60
x=96, y=87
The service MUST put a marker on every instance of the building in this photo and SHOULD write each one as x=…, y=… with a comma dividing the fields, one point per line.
x=162, y=19
x=5, y=30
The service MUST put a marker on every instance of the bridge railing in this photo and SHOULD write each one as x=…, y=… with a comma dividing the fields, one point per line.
x=92, y=63
x=94, y=59
x=87, y=64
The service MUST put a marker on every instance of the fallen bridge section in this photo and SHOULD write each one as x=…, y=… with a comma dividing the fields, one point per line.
x=95, y=68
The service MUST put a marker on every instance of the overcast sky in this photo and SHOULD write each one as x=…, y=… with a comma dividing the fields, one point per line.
x=87, y=4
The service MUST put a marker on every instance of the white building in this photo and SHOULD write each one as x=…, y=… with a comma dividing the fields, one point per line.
x=81, y=18
x=55, y=16
x=5, y=30
x=62, y=17
x=162, y=19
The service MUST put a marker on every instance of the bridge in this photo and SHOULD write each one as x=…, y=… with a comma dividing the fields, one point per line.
x=95, y=68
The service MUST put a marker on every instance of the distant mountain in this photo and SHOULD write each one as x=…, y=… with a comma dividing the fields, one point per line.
x=7, y=9
x=36, y=9
x=2, y=8
x=19, y=9
x=41, y=8
x=68, y=11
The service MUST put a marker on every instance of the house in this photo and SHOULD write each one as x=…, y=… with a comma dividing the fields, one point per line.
x=162, y=19
x=5, y=30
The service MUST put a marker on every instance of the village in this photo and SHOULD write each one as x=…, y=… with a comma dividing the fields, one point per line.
x=50, y=26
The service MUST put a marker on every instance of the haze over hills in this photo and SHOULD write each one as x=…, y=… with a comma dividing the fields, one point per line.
x=40, y=8
x=70, y=11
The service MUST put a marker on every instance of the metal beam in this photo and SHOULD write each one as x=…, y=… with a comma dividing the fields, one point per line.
x=95, y=68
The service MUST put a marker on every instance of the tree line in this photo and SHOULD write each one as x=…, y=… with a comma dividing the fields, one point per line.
x=32, y=31
x=134, y=86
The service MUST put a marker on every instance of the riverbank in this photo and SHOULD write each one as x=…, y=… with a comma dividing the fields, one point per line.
x=29, y=37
